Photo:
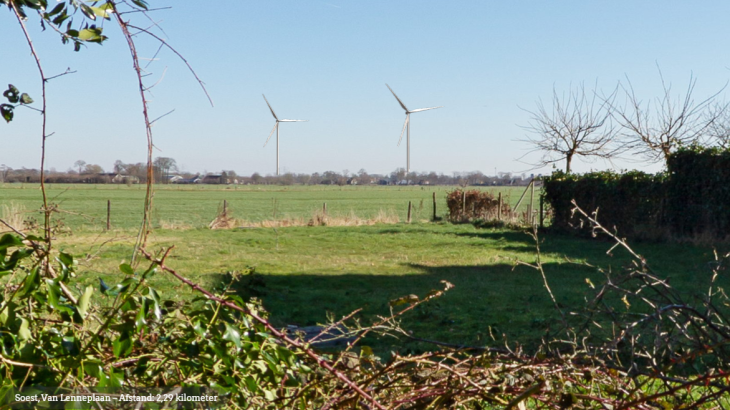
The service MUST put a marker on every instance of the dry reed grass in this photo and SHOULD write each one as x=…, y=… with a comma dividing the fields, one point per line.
x=318, y=219
x=14, y=215
x=174, y=225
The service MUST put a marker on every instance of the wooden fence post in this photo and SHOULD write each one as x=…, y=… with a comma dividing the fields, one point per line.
x=499, y=206
x=409, y=211
x=463, y=203
x=530, y=216
x=434, y=206
x=542, y=212
x=225, y=206
x=108, y=214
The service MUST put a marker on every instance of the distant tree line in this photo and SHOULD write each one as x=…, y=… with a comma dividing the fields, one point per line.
x=166, y=171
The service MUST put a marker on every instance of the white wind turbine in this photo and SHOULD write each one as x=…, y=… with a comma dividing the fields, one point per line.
x=276, y=128
x=407, y=126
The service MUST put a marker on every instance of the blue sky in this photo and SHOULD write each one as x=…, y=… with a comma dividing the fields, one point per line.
x=328, y=62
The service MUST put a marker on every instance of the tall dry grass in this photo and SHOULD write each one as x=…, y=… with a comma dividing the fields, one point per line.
x=12, y=214
x=318, y=219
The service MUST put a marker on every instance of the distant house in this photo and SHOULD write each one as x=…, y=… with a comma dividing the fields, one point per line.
x=214, y=179
x=124, y=179
x=182, y=180
x=173, y=179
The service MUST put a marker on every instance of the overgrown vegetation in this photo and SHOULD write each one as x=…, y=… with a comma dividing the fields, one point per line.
x=474, y=204
x=124, y=337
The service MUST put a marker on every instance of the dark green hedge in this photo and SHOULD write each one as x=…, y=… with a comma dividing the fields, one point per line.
x=698, y=195
x=630, y=203
x=690, y=200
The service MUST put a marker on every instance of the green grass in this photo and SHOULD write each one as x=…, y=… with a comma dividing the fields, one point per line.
x=83, y=206
x=306, y=273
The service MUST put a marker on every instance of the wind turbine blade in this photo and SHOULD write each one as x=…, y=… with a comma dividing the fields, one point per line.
x=272, y=110
x=396, y=97
x=293, y=120
x=426, y=109
x=408, y=117
x=271, y=133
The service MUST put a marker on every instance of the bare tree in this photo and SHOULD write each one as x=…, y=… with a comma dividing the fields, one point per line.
x=119, y=166
x=718, y=129
x=165, y=165
x=577, y=124
x=93, y=169
x=80, y=165
x=656, y=130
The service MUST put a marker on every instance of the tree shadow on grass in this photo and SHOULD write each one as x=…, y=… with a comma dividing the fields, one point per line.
x=490, y=304
x=667, y=259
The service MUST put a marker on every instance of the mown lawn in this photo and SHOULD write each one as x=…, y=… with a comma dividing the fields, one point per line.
x=305, y=273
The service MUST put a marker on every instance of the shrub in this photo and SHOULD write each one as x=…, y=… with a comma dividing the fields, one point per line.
x=473, y=204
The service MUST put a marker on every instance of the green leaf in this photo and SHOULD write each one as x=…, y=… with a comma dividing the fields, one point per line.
x=25, y=99
x=7, y=316
x=91, y=35
x=16, y=257
x=232, y=335
x=6, y=110
x=54, y=297
x=66, y=259
x=56, y=9
x=122, y=346
x=115, y=379
x=126, y=268
x=140, y=320
x=154, y=298
x=54, y=293
x=60, y=18
x=70, y=344
x=199, y=329
x=140, y=3
x=31, y=283
x=88, y=12
x=33, y=4
x=24, y=331
x=102, y=11
x=84, y=301
x=12, y=94
x=9, y=240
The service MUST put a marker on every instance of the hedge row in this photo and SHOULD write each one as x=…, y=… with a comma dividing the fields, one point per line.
x=690, y=200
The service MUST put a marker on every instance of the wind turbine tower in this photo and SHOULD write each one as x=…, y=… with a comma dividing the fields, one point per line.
x=276, y=128
x=407, y=128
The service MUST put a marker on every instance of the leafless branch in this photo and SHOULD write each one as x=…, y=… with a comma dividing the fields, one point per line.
x=656, y=128
x=156, y=37
x=577, y=124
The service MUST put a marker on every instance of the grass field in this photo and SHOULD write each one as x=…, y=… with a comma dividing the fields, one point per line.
x=304, y=273
x=84, y=206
